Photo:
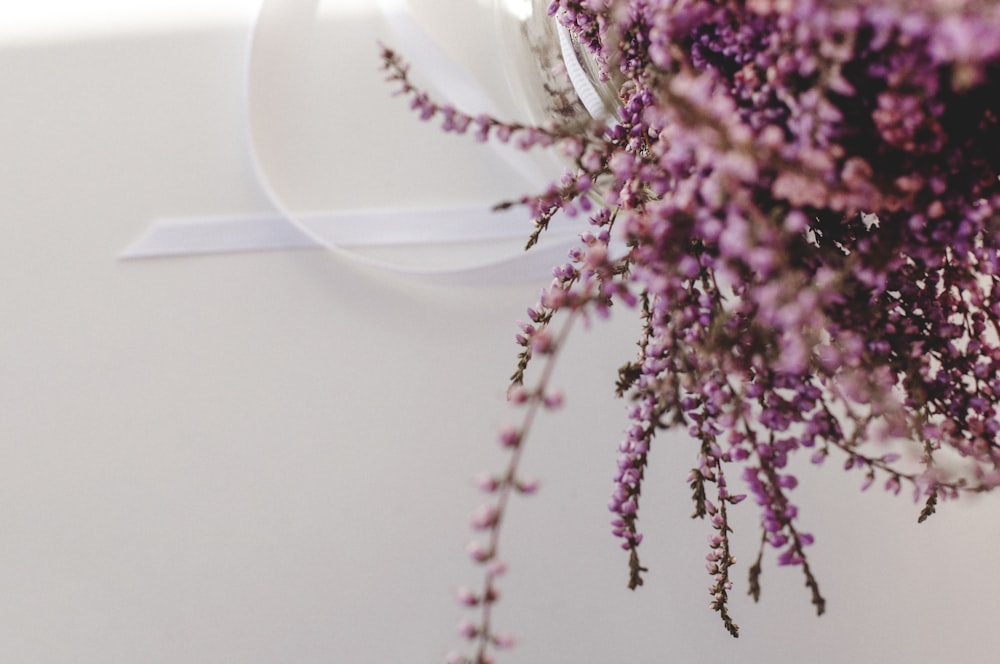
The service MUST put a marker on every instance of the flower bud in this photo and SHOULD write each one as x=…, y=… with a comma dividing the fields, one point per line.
x=478, y=551
x=468, y=629
x=509, y=437
x=485, y=517
x=466, y=596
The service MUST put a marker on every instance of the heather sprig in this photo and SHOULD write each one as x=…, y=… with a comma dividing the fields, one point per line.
x=808, y=197
x=575, y=289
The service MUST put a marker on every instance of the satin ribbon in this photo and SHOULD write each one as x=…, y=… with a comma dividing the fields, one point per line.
x=343, y=231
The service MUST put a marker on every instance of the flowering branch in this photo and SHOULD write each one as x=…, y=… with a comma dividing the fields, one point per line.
x=809, y=200
x=585, y=280
x=489, y=517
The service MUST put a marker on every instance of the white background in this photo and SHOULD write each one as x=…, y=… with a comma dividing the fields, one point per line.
x=266, y=457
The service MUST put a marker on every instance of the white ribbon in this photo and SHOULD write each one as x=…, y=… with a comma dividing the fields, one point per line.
x=343, y=231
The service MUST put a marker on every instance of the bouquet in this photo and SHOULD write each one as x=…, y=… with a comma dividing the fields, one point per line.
x=800, y=199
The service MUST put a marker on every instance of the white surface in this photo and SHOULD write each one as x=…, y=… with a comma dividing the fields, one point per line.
x=264, y=458
x=52, y=21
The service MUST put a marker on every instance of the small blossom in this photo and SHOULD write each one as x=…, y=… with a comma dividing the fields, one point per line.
x=553, y=400
x=487, y=482
x=510, y=437
x=466, y=596
x=528, y=486
x=479, y=552
x=485, y=517
x=504, y=641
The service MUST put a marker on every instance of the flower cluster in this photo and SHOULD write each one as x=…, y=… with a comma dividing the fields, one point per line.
x=808, y=197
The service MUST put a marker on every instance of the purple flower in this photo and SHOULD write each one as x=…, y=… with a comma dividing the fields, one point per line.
x=808, y=197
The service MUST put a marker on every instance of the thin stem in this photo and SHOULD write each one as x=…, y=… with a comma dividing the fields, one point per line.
x=535, y=401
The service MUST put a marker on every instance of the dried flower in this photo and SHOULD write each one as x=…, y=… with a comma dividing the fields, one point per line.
x=808, y=193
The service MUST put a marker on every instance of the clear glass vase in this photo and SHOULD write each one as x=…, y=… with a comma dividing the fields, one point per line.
x=551, y=76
